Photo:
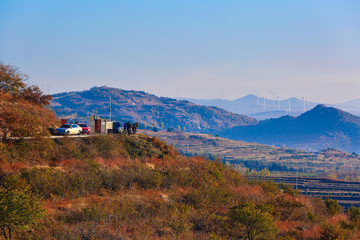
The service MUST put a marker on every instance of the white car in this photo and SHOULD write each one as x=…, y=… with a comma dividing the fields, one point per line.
x=68, y=129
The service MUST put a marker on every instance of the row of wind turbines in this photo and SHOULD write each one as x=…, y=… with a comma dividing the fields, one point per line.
x=278, y=102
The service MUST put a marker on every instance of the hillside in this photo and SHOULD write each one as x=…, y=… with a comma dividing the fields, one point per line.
x=145, y=108
x=254, y=156
x=322, y=127
x=138, y=187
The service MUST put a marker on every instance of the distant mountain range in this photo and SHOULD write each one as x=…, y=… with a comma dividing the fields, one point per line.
x=138, y=106
x=263, y=108
x=321, y=127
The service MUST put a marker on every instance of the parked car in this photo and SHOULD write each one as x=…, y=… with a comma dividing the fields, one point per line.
x=85, y=128
x=68, y=129
x=117, y=127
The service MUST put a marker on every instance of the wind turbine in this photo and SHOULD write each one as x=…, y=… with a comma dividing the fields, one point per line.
x=257, y=95
x=289, y=105
x=272, y=97
x=264, y=102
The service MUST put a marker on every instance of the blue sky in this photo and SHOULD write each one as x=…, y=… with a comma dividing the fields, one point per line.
x=302, y=48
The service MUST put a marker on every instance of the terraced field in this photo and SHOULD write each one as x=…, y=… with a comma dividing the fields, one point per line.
x=257, y=156
x=346, y=193
x=283, y=163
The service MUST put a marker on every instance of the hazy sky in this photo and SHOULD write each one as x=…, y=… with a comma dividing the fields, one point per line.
x=307, y=48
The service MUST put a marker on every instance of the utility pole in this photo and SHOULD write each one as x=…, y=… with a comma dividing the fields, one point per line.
x=110, y=108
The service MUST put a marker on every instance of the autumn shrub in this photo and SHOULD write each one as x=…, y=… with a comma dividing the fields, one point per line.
x=354, y=214
x=332, y=206
x=45, y=182
x=116, y=179
x=285, y=207
x=177, y=177
x=93, y=213
x=216, y=169
x=31, y=150
x=67, y=148
x=208, y=195
x=252, y=221
x=329, y=232
x=138, y=149
x=167, y=150
x=20, y=209
x=286, y=188
x=109, y=146
x=270, y=187
x=49, y=182
x=179, y=221
x=148, y=178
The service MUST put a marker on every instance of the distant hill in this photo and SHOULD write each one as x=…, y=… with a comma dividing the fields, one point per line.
x=145, y=108
x=259, y=108
x=262, y=109
x=352, y=106
x=322, y=127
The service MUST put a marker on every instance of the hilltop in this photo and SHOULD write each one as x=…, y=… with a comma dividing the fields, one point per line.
x=321, y=127
x=146, y=108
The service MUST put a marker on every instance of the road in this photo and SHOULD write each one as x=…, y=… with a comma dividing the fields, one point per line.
x=57, y=136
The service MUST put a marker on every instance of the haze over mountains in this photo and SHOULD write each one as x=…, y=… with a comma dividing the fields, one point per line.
x=138, y=106
x=263, y=108
x=319, y=128
x=322, y=127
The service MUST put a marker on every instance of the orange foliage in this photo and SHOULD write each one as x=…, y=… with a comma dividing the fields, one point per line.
x=7, y=168
x=252, y=192
x=113, y=163
x=21, y=118
x=67, y=163
x=336, y=219
x=313, y=233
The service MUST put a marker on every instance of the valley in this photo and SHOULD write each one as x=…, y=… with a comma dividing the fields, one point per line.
x=312, y=173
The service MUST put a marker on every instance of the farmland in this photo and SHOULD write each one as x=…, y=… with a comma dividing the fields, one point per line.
x=255, y=156
x=311, y=173
x=346, y=193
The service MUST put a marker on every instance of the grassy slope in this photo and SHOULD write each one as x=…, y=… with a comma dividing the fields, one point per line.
x=138, y=187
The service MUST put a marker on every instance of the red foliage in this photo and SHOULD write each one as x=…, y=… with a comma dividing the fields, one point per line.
x=313, y=233
x=336, y=219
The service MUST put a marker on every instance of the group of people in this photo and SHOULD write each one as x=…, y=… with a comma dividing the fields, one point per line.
x=128, y=127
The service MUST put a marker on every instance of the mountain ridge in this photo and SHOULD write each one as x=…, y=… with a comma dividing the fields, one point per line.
x=321, y=127
x=131, y=105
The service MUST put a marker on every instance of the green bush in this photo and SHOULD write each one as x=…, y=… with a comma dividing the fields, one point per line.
x=332, y=206
x=252, y=221
x=20, y=209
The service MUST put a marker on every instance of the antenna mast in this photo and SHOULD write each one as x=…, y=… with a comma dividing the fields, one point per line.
x=110, y=108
